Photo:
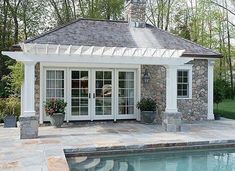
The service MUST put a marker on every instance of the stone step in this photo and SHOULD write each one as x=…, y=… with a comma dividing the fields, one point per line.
x=107, y=166
x=80, y=159
x=123, y=166
x=88, y=164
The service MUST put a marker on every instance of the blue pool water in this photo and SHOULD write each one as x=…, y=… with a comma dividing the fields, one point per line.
x=203, y=160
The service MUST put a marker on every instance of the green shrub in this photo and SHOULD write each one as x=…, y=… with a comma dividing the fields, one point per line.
x=9, y=106
x=226, y=114
x=146, y=104
x=223, y=87
x=2, y=108
x=12, y=106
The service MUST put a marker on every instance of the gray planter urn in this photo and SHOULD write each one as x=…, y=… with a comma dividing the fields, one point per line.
x=9, y=121
x=57, y=119
x=148, y=116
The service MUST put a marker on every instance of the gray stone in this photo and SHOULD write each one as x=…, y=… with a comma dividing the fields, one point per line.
x=185, y=128
x=28, y=127
x=172, y=121
x=171, y=127
x=37, y=89
x=191, y=109
x=135, y=12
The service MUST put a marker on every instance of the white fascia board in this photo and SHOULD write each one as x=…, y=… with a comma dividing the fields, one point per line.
x=25, y=57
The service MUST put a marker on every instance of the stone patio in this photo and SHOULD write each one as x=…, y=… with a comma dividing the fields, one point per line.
x=47, y=151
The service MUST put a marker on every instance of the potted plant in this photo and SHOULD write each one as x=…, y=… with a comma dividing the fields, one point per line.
x=9, y=112
x=55, y=108
x=147, y=106
x=217, y=116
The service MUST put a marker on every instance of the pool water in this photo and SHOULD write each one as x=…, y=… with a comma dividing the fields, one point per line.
x=203, y=160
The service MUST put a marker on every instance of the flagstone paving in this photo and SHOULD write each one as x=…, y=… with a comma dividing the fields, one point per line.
x=46, y=153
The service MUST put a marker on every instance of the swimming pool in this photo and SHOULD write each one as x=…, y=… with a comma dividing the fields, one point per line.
x=193, y=160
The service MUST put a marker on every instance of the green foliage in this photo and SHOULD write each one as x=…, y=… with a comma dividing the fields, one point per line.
x=55, y=106
x=224, y=87
x=14, y=80
x=146, y=104
x=4, y=70
x=218, y=91
x=226, y=109
x=2, y=109
x=12, y=106
x=9, y=106
x=225, y=114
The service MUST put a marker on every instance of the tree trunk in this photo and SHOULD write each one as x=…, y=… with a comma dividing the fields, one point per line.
x=4, y=24
x=168, y=14
x=229, y=53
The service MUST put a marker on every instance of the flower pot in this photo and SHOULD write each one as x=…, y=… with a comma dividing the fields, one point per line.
x=9, y=121
x=57, y=119
x=148, y=116
x=217, y=116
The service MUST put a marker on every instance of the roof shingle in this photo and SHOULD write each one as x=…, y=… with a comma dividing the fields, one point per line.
x=86, y=32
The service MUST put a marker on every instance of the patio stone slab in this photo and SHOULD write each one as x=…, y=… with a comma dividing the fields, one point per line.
x=46, y=153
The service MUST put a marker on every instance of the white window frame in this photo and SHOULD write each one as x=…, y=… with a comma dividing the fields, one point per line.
x=43, y=96
x=187, y=67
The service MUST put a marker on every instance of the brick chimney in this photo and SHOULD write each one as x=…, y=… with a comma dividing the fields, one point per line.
x=135, y=11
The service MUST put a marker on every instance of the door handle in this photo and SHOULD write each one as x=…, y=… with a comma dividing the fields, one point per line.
x=89, y=95
x=93, y=95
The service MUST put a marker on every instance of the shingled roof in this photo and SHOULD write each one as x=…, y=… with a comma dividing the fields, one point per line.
x=87, y=32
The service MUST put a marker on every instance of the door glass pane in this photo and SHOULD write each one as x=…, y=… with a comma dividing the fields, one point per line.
x=50, y=74
x=126, y=91
x=80, y=91
x=103, y=91
x=59, y=75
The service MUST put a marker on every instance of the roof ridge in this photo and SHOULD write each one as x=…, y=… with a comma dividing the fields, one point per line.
x=189, y=41
x=68, y=24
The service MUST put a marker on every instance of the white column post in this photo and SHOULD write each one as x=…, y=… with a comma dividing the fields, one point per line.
x=171, y=89
x=28, y=119
x=28, y=93
x=172, y=118
x=210, y=115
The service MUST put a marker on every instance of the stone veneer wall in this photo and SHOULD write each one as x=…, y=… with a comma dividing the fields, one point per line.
x=156, y=88
x=37, y=88
x=196, y=108
x=192, y=109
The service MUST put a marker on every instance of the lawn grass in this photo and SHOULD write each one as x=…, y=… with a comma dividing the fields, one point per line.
x=226, y=109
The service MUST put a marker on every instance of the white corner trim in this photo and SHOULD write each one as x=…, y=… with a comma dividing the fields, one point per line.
x=41, y=117
x=210, y=115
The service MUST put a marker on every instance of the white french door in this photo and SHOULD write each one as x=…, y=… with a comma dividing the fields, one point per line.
x=103, y=94
x=126, y=94
x=80, y=90
x=93, y=94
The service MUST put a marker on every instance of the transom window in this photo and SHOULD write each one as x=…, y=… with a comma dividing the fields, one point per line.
x=183, y=83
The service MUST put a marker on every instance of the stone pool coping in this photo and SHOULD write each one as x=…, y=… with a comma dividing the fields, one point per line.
x=159, y=147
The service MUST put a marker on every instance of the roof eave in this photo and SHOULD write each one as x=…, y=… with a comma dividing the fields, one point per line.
x=202, y=55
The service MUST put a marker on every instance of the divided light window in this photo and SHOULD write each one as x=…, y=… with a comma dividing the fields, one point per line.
x=183, y=83
x=54, y=84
